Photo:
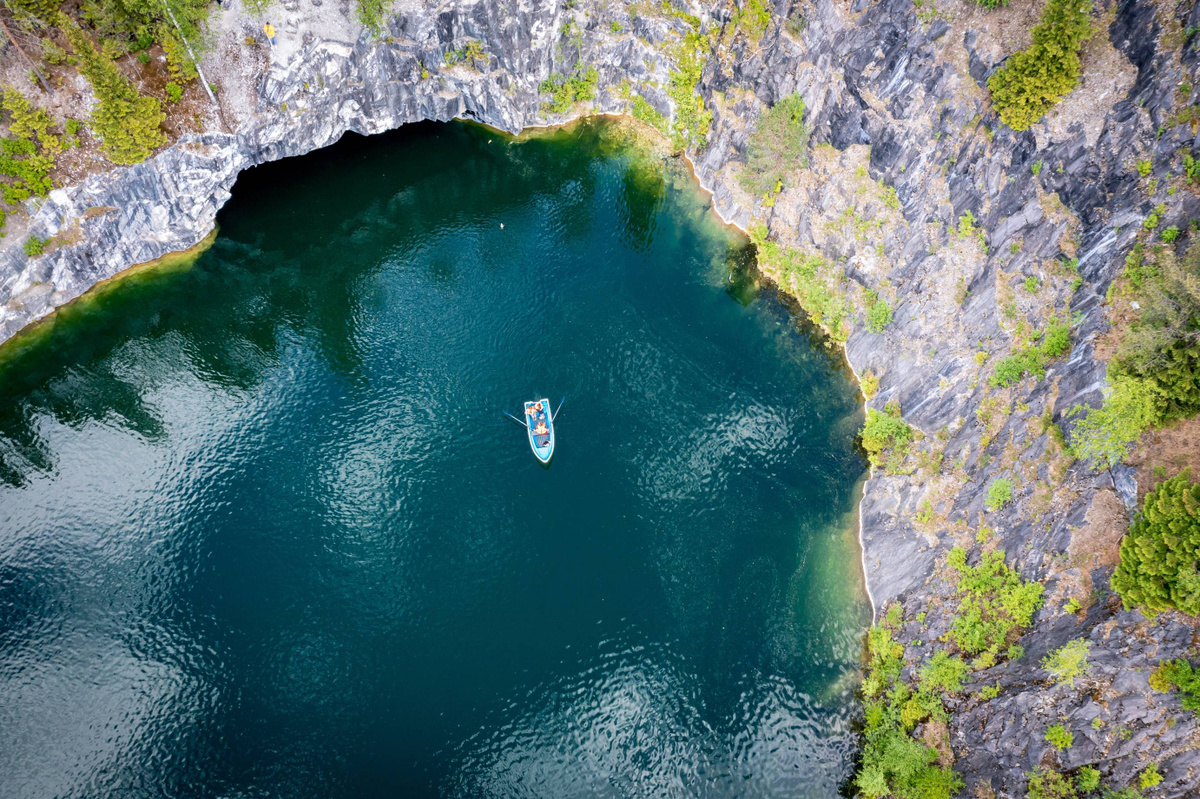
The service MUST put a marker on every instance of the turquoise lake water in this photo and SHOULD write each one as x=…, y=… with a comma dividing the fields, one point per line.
x=265, y=532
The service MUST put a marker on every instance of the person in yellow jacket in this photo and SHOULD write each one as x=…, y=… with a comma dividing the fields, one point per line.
x=269, y=30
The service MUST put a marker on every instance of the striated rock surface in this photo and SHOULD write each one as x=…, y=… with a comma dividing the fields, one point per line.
x=896, y=97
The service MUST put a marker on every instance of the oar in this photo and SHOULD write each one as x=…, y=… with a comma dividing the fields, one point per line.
x=515, y=419
x=554, y=415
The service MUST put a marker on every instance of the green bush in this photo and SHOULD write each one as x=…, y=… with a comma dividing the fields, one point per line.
x=944, y=673
x=885, y=433
x=1162, y=345
x=1149, y=777
x=1050, y=785
x=1068, y=662
x=999, y=494
x=174, y=91
x=809, y=279
x=1060, y=737
x=777, y=147
x=1178, y=675
x=566, y=92
x=1159, y=554
x=1105, y=434
x=752, y=17
x=1034, y=358
x=371, y=14
x=1169, y=234
x=994, y=604
x=1087, y=779
x=692, y=119
x=126, y=122
x=879, y=313
x=649, y=114
x=893, y=762
x=1033, y=80
x=34, y=246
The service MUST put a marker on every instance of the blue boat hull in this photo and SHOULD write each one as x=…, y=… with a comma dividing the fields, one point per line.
x=542, y=444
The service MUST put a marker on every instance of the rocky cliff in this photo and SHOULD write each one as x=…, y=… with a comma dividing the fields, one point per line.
x=896, y=98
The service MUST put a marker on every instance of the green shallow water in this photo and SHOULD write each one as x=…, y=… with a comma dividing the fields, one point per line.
x=264, y=531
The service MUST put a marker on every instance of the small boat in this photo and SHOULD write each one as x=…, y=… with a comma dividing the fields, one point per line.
x=540, y=426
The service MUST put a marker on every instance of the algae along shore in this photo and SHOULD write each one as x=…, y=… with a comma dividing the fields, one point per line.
x=238, y=556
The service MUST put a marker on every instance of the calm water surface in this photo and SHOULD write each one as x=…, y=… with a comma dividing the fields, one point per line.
x=264, y=531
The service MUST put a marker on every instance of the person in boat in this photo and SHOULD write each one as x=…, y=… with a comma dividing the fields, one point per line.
x=541, y=429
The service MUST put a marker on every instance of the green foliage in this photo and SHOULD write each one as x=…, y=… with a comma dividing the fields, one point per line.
x=1036, y=167
x=809, y=279
x=1031, y=284
x=1159, y=554
x=777, y=147
x=1087, y=779
x=27, y=155
x=1104, y=435
x=1068, y=662
x=1178, y=675
x=968, y=227
x=692, y=119
x=1149, y=777
x=1169, y=234
x=999, y=494
x=1162, y=345
x=472, y=55
x=134, y=25
x=1144, y=167
x=991, y=3
x=879, y=312
x=995, y=604
x=944, y=673
x=989, y=691
x=870, y=384
x=649, y=114
x=614, y=26
x=1060, y=737
x=1033, y=80
x=45, y=10
x=371, y=14
x=1050, y=785
x=752, y=18
x=566, y=92
x=174, y=92
x=34, y=246
x=1034, y=358
x=894, y=764
x=126, y=122
x=886, y=433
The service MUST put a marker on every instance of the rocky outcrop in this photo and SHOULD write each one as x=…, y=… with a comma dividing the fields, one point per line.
x=896, y=98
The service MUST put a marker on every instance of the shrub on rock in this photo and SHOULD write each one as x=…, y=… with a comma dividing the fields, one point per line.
x=1158, y=568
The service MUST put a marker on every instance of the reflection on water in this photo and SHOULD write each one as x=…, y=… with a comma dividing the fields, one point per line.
x=263, y=530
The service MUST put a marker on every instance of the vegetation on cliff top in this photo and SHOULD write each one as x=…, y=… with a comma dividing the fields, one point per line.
x=127, y=122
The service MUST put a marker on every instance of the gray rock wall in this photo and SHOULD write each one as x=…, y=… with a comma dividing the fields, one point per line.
x=896, y=98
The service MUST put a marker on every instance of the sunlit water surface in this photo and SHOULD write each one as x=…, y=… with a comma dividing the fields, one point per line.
x=265, y=532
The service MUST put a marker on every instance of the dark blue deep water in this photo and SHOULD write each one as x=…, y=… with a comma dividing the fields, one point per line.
x=264, y=531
